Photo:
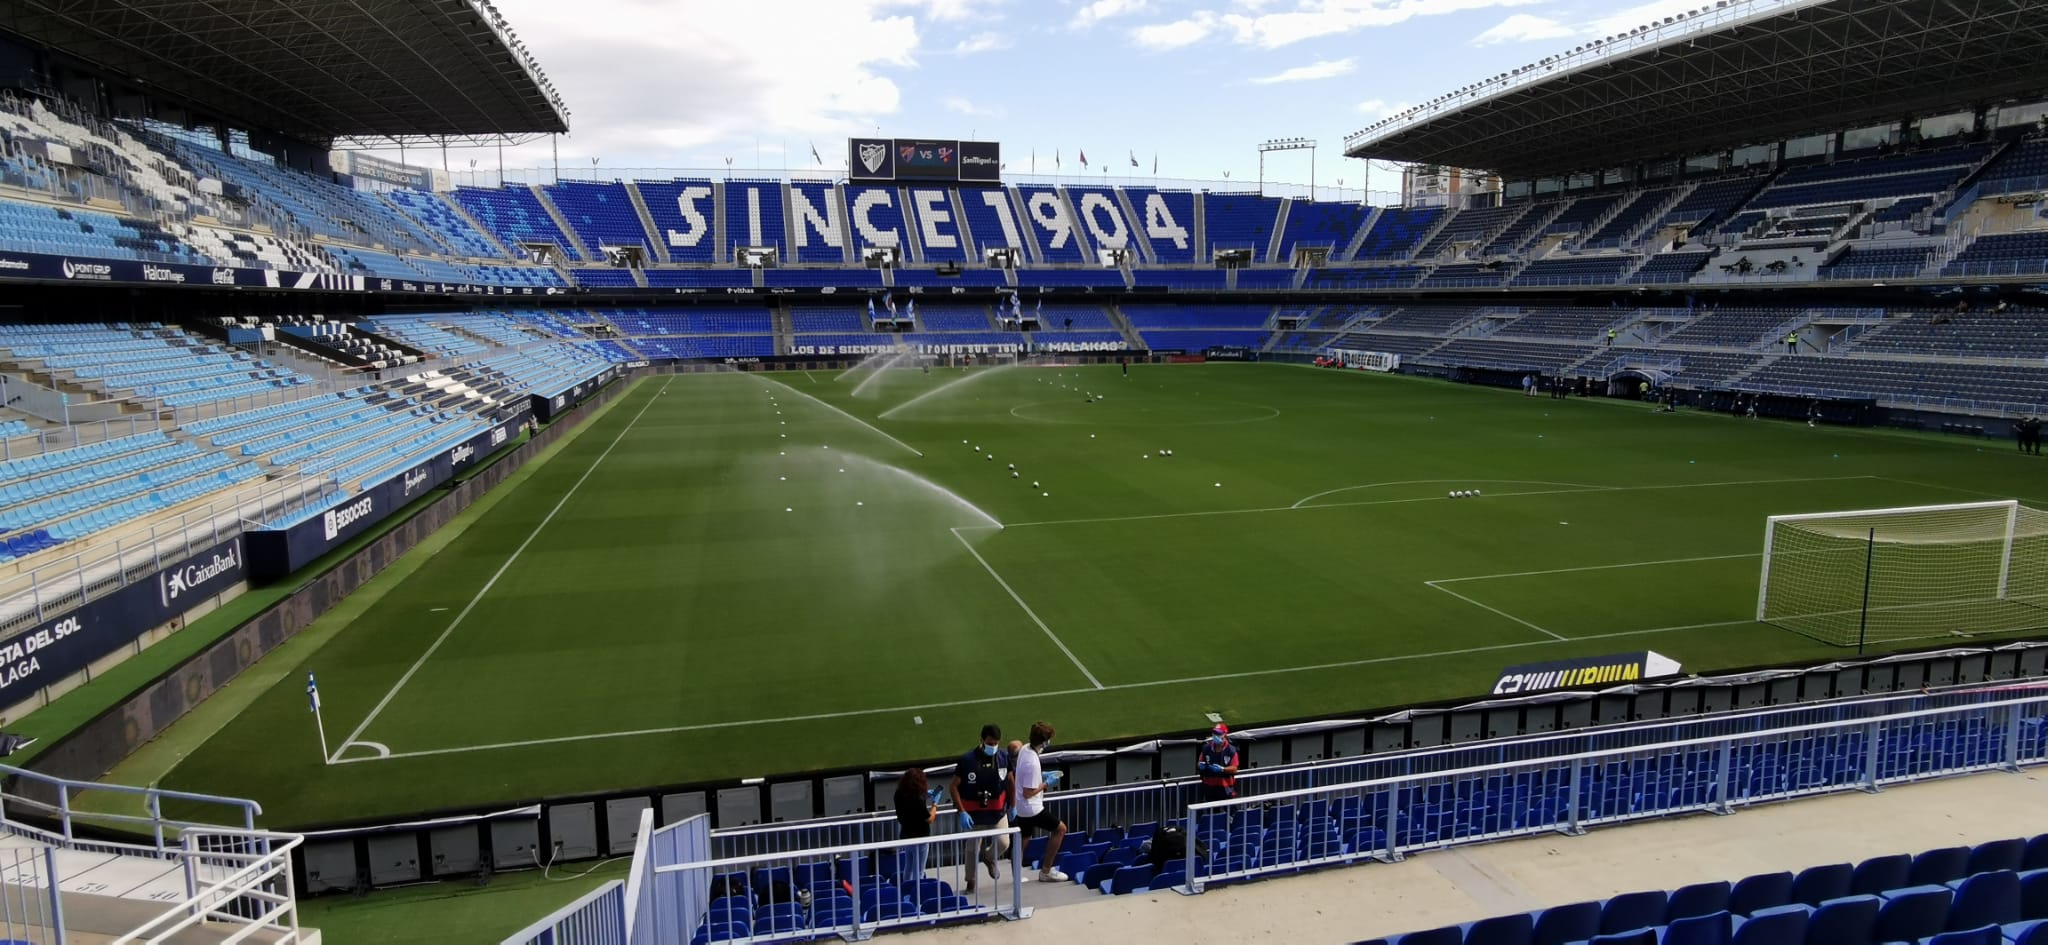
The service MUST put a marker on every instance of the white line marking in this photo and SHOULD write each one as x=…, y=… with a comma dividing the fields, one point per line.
x=443, y=638
x=1493, y=609
x=1596, y=567
x=813, y=377
x=1056, y=641
x=878, y=430
x=1427, y=498
x=1151, y=684
x=1417, y=482
x=382, y=751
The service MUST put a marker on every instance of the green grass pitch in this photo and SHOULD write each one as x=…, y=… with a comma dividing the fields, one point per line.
x=731, y=575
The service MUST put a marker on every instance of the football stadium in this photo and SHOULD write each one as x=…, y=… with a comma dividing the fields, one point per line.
x=1632, y=530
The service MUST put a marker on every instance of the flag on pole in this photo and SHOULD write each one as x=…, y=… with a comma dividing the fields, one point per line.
x=1055, y=159
x=871, y=307
x=1084, y=158
x=814, y=153
x=1134, y=159
x=312, y=692
x=1155, y=162
x=912, y=311
x=890, y=301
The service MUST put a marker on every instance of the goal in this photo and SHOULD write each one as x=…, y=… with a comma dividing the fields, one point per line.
x=1878, y=575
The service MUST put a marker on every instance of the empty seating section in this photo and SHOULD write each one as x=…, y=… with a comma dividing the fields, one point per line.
x=1924, y=173
x=1991, y=894
x=1403, y=345
x=1517, y=235
x=1878, y=262
x=940, y=237
x=442, y=220
x=1183, y=279
x=985, y=220
x=683, y=217
x=1431, y=320
x=1163, y=340
x=514, y=215
x=1710, y=202
x=1397, y=232
x=1667, y=268
x=1902, y=210
x=1973, y=386
x=707, y=346
x=1327, y=225
x=75, y=231
x=1629, y=219
x=1575, y=270
x=1042, y=206
x=1377, y=277
x=1472, y=228
x=1144, y=317
x=1466, y=275
x=54, y=498
x=603, y=277
x=759, y=204
x=2022, y=166
x=808, y=319
x=153, y=364
x=1167, y=218
x=1267, y=279
x=954, y=317
x=1585, y=324
x=1059, y=316
x=640, y=322
x=876, y=219
x=1581, y=214
x=429, y=333
x=322, y=206
x=601, y=213
x=1508, y=355
x=2002, y=254
x=1731, y=327
x=2012, y=333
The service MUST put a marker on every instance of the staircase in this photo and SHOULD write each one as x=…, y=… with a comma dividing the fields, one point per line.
x=783, y=328
x=482, y=230
x=1272, y=253
x=1734, y=381
x=913, y=232
x=1123, y=325
x=1136, y=220
x=561, y=222
x=1358, y=238
x=660, y=239
x=1082, y=241
x=719, y=248
x=1200, y=233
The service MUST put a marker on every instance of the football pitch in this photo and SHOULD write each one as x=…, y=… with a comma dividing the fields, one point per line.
x=737, y=575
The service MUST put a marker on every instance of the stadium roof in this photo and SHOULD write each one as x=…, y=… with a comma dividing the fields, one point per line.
x=372, y=70
x=1733, y=73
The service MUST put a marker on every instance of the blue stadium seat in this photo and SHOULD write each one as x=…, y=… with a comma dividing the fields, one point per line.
x=1987, y=935
x=1513, y=929
x=1913, y=913
x=2036, y=857
x=1847, y=921
x=1985, y=899
x=1634, y=910
x=1714, y=928
x=1775, y=925
x=1697, y=899
x=1996, y=855
x=1762, y=891
x=1129, y=879
x=1879, y=873
x=1631, y=937
x=1576, y=922
x=1935, y=867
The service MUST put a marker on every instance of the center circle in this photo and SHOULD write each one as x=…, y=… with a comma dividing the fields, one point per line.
x=1185, y=413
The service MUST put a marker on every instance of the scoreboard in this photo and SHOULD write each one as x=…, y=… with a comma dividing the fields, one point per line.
x=920, y=159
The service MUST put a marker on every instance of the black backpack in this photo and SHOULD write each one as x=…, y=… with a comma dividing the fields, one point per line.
x=1170, y=845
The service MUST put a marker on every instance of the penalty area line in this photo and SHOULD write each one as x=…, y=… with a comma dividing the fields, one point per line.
x=1028, y=612
x=1495, y=610
x=355, y=737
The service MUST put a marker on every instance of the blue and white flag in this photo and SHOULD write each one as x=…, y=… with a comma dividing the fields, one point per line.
x=312, y=692
x=913, y=308
x=871, y=308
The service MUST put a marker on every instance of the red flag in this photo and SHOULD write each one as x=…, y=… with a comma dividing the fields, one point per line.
x=1084, y=159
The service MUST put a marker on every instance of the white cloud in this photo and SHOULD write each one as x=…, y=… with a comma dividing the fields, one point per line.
x=981, y=43
x=725, y=74
x=1327, y=69
x=955, y=103
x=1174, y=35
x=1621, y=21
x=1100, y=10
x=942, y=10
x=1523, y=28
x=1313, y=18
x=1378, y=108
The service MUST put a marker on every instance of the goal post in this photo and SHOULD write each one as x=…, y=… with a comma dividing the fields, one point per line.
x=1906, y=573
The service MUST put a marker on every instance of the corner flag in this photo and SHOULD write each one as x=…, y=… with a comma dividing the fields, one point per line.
x=312, y=692
x=319, y=724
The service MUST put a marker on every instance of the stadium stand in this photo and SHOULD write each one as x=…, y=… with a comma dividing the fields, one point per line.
x=1397, y=233
x=601, y=213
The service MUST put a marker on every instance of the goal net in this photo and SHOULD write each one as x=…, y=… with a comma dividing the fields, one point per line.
x=1905, y=573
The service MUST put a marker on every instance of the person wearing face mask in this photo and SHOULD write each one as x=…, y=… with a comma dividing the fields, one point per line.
x=1031, y=812
x=1217, y=764
x=981, y=792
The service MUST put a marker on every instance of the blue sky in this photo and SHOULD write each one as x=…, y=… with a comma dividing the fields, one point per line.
x=664, y=84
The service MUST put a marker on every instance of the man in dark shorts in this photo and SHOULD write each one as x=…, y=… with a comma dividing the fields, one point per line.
x=981, y=792
x=1032, y=814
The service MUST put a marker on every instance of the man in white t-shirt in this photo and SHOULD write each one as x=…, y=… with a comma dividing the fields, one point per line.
x=1031, y=814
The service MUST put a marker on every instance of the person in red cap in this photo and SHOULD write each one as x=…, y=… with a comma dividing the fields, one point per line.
x=1217, y=764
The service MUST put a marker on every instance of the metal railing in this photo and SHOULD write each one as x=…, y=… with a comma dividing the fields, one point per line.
x=31, y=798
x=598, y=917
x=253, y=888
x=31, y=902
x=1386, y=817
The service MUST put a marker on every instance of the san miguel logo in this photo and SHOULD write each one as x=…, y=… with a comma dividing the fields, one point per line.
x=872, y=154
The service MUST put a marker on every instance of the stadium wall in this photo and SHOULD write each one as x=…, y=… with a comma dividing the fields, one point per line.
x=94, y=748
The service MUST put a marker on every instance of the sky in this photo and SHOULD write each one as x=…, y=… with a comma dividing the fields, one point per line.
x=1194, y=84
